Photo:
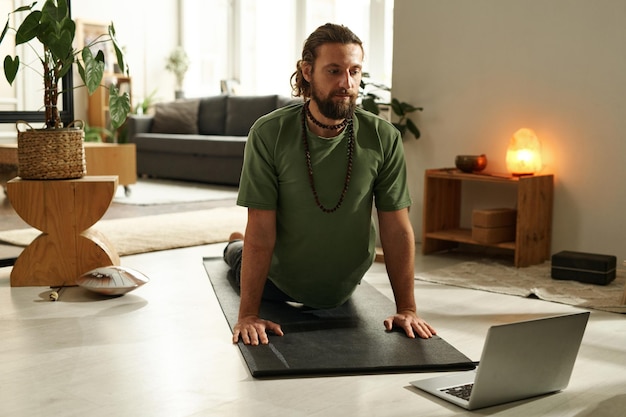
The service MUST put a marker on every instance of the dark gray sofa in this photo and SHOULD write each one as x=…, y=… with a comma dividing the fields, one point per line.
x=198, y=139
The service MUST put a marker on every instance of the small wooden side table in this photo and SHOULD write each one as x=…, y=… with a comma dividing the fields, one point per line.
x=442, y=211
x=64, y=210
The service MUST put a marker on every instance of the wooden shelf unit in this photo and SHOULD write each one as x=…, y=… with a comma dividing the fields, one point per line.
x=441, y=227
x=112, y=159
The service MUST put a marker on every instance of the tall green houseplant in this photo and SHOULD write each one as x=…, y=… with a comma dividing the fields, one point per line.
x=53, y=28
x=371, y=101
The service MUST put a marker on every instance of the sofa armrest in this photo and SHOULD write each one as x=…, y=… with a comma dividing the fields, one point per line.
x=139, y=124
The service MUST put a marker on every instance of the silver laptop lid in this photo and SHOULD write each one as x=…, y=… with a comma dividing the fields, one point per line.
x=528, y=358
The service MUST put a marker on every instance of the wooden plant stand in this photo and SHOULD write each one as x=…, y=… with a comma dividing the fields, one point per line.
x=64, y=210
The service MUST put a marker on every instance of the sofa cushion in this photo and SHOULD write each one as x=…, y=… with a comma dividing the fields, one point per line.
x=176, y=117
x=284, y=101
x=217, y=146
x=212, y=115
x=243, y=111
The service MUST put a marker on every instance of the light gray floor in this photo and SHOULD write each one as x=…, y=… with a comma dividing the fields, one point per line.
x=165, y=350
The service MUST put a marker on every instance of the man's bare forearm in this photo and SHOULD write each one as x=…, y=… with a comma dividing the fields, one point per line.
x=399, y=247
x=259, y=243
x=254, y=270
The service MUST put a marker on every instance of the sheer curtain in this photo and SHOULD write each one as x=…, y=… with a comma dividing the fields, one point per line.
x=256, y=43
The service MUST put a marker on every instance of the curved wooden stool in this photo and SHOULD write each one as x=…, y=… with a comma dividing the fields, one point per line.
x=64, y=210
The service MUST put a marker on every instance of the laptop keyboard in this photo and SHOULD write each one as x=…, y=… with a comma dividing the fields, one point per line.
x=460, y=391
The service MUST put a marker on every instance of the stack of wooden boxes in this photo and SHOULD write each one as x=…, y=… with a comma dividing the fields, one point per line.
x=494, y=225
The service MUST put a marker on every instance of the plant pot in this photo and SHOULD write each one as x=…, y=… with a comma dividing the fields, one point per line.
x=51, y=154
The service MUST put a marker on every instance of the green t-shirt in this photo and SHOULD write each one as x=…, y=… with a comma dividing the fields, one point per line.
x=319, y=258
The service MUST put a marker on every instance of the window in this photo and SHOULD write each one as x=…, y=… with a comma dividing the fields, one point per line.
x=257, y=43
x=206, y=36
x=267, y=46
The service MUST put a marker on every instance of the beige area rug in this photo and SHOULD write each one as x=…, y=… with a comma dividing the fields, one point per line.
x=157, y=232
x=531, y=281
x=147, y=192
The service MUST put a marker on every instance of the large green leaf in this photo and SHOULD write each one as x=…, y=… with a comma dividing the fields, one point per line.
x=24, y=8
x=397, y=107
x=412, y=127
x=4, y=31
x=94, y=69
x=29, y=28
x=60, y=44
x=409, y=108
x=370, y=105
x=401, y=128
x=55, y=12
x=57, y=30
x=118, y=50
x=10, y=68
x=403, y=108
x=119, y=107
x=66, y=66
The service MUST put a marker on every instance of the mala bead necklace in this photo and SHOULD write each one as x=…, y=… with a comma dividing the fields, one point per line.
x=307, y=154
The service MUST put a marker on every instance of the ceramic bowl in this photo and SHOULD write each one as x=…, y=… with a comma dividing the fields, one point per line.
x=471, y=163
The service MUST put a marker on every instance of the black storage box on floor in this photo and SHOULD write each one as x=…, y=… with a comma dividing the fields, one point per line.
x=584, y=267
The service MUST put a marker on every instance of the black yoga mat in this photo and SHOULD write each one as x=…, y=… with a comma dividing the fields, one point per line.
x=347, y=340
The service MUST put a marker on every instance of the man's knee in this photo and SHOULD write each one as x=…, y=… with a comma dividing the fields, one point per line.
x=232, y=252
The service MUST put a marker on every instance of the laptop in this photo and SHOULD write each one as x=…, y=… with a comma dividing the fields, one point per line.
x=519, y=360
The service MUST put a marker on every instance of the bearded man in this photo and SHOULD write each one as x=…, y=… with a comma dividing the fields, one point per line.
x=311, y=175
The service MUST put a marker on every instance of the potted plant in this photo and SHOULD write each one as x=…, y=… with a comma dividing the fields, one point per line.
x=178, y=63
x=372, y=102
x=144, y=106
x=96, y=133
x=52, y=27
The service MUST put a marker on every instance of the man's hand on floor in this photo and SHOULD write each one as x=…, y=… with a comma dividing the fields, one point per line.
x=411, y=323
x=253, y=330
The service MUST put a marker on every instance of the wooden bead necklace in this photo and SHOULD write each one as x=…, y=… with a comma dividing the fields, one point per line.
x=347, y=122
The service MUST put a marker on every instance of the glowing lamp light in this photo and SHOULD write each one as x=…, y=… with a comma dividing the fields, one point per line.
x=523, y=156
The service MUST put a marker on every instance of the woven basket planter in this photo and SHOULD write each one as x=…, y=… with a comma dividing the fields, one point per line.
x=51, y=154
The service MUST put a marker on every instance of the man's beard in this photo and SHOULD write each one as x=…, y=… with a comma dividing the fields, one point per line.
x=334, y=110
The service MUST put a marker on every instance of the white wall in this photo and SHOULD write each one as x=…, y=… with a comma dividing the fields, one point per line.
x=147, y=30
x=484, y=68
